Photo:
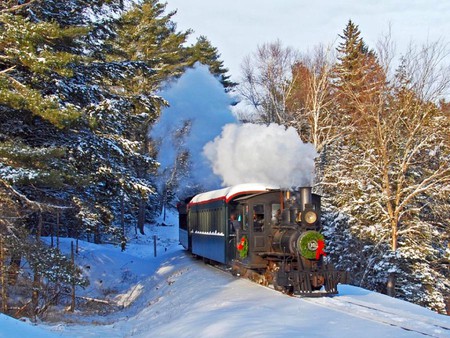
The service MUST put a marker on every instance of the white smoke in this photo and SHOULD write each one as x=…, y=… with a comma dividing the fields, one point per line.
x=223, y=152
x=197, y=99
x=271, y=154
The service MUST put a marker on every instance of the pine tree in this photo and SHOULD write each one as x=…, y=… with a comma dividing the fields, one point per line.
x=108, y=80
x=358, y=77
x=28, y=47
x=67, y=127
x=204, y=52
x=147, y=34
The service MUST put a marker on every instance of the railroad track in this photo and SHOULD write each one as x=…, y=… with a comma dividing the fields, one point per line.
x=399, y=318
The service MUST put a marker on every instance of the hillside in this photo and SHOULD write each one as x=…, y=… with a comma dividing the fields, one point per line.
x=175, y=295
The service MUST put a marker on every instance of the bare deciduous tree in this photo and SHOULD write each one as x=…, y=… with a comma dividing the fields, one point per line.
x=311, y=101
x=267, y=81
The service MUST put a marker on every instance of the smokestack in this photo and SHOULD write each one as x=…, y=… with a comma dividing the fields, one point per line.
x=286, y=216
x=305, y=197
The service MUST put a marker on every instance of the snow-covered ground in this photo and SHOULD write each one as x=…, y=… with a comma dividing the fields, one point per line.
x=175, y=295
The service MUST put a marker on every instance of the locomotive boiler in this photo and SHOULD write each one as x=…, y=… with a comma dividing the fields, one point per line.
x=264, y=233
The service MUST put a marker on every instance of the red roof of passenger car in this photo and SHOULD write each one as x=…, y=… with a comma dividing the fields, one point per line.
x=229, y=193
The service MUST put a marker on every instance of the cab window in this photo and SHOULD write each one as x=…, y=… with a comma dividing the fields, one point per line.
x=258, y=218
x=276, y=213
x=245, y=218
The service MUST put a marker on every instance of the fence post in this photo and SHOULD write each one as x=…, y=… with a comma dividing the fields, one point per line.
x=72, y=258
x=154, y=245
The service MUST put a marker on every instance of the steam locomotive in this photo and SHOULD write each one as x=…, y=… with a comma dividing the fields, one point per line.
x=274, y=237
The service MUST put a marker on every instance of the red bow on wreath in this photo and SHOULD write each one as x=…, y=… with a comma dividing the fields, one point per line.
x=320, y=249
x=241, y=244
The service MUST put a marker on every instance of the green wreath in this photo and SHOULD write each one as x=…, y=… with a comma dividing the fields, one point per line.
x=309, y=244
x=242, y=247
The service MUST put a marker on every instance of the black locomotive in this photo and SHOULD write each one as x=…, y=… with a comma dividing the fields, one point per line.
x=266, y=234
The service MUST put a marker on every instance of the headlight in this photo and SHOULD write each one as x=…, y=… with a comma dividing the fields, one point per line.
x=310, y=217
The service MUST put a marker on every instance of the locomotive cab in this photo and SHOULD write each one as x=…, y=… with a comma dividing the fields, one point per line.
x=258, y=214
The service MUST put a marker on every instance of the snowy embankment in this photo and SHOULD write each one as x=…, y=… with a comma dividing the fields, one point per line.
x=175, y=295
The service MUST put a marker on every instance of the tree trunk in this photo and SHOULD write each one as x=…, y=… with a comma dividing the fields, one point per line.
x=123, y=238
x=57, y=229
x=141, y=215
x=96, y=234
x=35, y=294
x=37, y=276
x=391, y=278
x=72, y=258
x=141, y=173
x=122, y=213
x=394, y=225
x=4, y=307
x=14, y=266
x=391, y=285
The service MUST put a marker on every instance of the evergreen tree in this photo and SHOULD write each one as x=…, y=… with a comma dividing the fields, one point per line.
x=146, y=34
x=148, y=37
x=32, y=48
x=358, y=77
x=204, y=52
x=71, y=124
x=34, y=121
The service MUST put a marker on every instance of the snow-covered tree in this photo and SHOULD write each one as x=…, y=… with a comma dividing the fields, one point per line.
x=73, y=120
x=386, y=174
x=48, y=265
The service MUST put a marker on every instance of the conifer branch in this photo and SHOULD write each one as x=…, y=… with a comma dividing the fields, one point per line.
x=40, y=206
x=16, y=7
x=7, y=70
x=16, y=84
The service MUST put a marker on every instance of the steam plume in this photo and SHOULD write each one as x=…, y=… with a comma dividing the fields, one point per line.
x=197, y=100
x=258, y=153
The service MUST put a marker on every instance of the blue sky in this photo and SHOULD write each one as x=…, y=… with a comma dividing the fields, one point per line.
x=237, y=27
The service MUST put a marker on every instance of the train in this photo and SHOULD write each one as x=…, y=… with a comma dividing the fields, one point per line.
x=267, y=234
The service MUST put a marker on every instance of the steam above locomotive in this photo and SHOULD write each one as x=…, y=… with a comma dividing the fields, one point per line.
x=267, y=234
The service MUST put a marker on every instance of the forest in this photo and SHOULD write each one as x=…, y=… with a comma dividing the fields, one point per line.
x=79, y=84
